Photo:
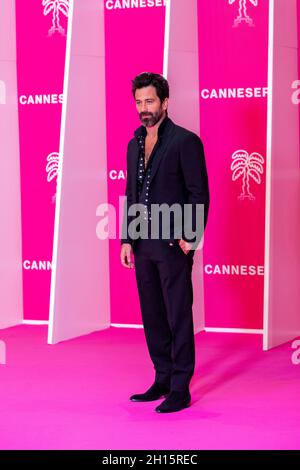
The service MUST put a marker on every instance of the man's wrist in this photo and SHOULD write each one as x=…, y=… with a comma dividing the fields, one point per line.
x=128, y=242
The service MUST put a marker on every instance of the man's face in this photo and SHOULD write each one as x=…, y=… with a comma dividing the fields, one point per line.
x=149, y=106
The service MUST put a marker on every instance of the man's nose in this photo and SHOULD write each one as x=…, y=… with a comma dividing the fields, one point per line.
x=144, y=107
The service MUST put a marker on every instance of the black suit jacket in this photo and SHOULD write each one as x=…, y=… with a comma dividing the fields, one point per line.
x=178, y=175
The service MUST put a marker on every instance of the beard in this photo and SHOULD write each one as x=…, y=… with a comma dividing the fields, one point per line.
x=150, y=119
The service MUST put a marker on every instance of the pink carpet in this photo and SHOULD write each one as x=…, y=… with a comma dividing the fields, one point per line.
x=74, y=395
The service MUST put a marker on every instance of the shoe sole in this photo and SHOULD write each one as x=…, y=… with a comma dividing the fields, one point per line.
x=174, y=411
x=145, y=401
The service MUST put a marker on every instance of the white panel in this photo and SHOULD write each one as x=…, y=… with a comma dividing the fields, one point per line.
x=79, y=300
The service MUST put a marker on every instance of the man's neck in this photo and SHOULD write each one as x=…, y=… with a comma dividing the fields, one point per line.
x=153, y=131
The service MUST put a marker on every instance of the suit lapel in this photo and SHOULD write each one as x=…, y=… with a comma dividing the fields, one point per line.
x=161, y=151
x=134, y=163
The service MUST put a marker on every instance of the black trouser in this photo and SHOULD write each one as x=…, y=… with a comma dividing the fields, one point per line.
x=163, y=274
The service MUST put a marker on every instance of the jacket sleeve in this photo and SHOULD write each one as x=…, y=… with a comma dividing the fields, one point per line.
x=125, y=238
x=195, y=176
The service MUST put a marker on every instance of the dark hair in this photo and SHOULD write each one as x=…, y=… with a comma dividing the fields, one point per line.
x=158, y=81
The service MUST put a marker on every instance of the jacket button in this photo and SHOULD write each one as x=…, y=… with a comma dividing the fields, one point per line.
x=171, y=244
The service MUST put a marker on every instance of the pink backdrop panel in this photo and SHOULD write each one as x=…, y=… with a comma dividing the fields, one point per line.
x=233, y=55
x=11, y=308
x=40, y=59
x=134, y=43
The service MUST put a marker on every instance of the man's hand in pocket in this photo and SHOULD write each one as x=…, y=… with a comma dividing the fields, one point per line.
x=126, y=255
x=185, y=246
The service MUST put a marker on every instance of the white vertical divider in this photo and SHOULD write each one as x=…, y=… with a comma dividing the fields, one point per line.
x=79, y=299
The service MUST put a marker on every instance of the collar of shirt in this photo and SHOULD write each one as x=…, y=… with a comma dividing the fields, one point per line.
x=142, y=131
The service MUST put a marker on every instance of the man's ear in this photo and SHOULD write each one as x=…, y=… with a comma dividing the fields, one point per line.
x=165, y=104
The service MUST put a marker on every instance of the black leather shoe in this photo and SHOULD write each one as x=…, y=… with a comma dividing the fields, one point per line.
x=155, y=392
x=175, y=401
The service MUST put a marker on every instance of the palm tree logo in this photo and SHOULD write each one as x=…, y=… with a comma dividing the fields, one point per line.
x=247, y=166
x=243, y=15
x=52, y=169
x=57, y=7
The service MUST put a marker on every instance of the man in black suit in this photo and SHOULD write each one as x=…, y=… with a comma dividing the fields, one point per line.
x=165, y=168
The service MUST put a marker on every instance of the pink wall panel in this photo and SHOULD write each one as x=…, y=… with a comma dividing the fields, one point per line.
x=40, y=61
x=233, y=58
x=231, y=55
x=134, y=43
x=11, y=308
